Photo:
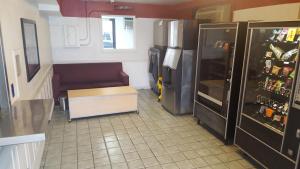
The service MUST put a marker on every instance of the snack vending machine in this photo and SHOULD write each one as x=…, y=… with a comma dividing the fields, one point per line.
x=268, y=125
x=219, y=66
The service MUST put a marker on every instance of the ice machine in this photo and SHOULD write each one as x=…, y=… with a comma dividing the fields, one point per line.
x=179, y=67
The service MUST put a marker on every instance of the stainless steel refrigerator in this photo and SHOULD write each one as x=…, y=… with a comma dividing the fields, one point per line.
x=179, y=66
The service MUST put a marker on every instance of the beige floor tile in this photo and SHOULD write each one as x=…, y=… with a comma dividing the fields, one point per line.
x=128, y=149
x=52, y=167
x=69, y=159
x=103, y=167
x=102, y=161
x=219, y=166
x=85, y=148
x=119, y=166
x=69, y=166
x=186, y=164
x=145, y=153
x=149, y=162
x=246, y=164
x=85, y=156
x=117, y=159
x=114, y=151
x=204, y=152
x=110, y=138
x=190, y=154
x=199, y=162
x=154, y=167
x=100, y=154
x=85, y=164
x=164, y=159
x=138, y=140
x=211, y=160
x=136, y=164
x=132, y=156
x=112, y=144
x=178, y=157
x=142, y=146
x=170, y=166
x=234, y=165
x=227, y=157
x=68, y=151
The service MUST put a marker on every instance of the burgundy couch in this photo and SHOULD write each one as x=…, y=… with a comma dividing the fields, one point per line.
x=85, y=76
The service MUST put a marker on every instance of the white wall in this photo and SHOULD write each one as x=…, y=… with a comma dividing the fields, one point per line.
x=135, y=62
x=10, y=13
x=283, y=12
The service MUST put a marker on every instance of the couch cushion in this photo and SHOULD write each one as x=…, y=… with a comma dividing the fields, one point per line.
x=89, y=72
x=74, y=86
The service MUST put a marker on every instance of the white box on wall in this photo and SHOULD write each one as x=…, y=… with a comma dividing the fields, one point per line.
x=282, y=12
x=71, y=36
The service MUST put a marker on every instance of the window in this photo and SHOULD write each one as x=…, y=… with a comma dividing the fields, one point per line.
x=118, y=32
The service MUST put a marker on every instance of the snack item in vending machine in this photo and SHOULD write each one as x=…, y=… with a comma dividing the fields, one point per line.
x=288, y=55
x=278, y=86
x=271, y=85
x=269, y=112
x=277, y=51
x=268, y=66
x=285, y=119
x=258, y=99
x=262, y=109
x=297, y=56
x=280, y=108
x=226, y=46
x=288, y=83
x=282, y=34
x=266, y=83
x=286, y=71
x=269, y=54
x=291, y=34
x=287, y=93
x=277, y=117
x=292, y=75
x=285, y=107
x=275, y=70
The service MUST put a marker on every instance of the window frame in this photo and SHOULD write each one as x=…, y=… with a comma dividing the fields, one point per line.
x=114, y=34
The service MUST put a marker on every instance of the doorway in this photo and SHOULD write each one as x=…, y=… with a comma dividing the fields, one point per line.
x=4, y=95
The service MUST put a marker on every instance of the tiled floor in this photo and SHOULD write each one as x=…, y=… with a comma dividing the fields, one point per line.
x=152, y=139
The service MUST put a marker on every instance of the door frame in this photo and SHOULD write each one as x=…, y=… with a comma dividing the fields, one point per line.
x=3, y=62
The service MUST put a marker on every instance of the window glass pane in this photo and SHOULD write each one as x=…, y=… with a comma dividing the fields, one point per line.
x=108, y=34
x=120, y=27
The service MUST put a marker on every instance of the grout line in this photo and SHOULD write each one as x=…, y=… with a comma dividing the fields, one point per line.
x=91, y=144
x=110, y=163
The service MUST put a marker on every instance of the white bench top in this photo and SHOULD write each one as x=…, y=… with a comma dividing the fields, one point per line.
x=108, y=91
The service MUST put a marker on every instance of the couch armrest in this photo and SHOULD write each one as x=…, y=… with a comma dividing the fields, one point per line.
x=56, y=86
x=125, y=78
